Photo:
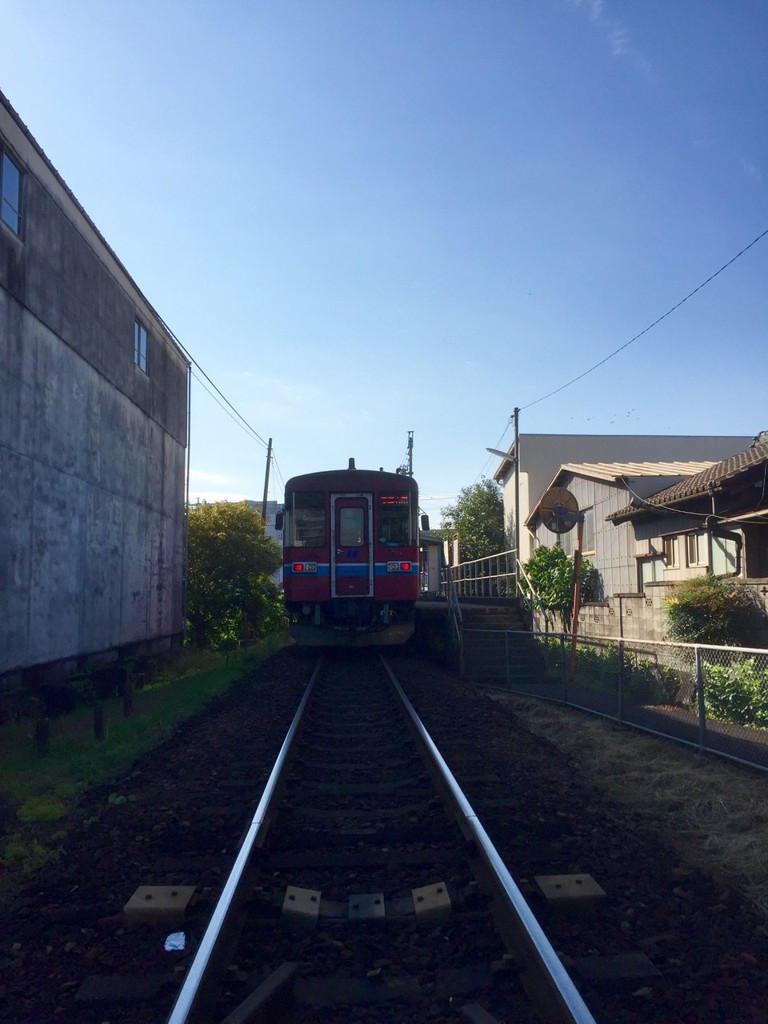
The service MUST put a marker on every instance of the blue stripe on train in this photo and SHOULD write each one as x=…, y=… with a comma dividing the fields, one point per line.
x=323, y=569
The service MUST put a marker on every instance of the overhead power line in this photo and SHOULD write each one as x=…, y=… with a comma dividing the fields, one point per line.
x=238, y=417
x=650, y=326
x=214, y=392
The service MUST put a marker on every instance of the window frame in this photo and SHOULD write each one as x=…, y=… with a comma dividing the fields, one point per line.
x=654, y=561
x=671, y=550
x=6, y=201
x=306, y=521
x=590, y=540
x=141, y=351
x=695, y=560
x=396, y=519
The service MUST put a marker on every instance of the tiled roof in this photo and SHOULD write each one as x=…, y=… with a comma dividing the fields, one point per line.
x=698, y=485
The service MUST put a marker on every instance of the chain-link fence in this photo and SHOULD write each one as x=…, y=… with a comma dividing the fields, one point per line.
x=714, y=698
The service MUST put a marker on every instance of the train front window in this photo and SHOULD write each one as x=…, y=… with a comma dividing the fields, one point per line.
x=395, y=520
x=307, y=521
x=351, y=527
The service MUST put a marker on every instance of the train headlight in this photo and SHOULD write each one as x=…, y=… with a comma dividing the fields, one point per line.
x=302, y=568
x=399, y=566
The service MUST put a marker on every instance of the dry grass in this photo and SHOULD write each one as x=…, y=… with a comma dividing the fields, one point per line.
x=711, y=811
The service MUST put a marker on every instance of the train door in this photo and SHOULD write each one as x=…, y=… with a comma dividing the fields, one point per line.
x=351, y=545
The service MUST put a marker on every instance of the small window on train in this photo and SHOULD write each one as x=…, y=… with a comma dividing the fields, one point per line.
x=307, y=522
x=351, y=527
x=395, y=520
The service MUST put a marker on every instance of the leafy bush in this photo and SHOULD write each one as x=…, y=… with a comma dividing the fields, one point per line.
x=231, y=598
x=738, y=693
x=644, y=680
x=550, y=571
x=597, y=668
x=711, y=610
x=648, y=682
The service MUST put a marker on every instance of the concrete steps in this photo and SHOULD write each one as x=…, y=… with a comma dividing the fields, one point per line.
x=489, y=653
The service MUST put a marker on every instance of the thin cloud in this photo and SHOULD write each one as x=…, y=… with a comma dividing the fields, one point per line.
x=618, y=39
x=199, y=475
x=751, y=170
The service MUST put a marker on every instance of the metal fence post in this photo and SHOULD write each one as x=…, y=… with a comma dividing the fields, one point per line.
x=620, y=682
x=563, y=671
x=700, y=700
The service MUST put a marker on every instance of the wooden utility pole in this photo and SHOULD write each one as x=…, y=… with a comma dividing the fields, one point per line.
x=266, y=482
x=516, y=414
x=576, y=590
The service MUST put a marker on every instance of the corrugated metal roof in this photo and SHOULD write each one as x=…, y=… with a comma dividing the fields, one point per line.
x=698, y=485
x=616, y=470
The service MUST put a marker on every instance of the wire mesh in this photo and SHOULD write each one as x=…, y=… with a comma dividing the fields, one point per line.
x=714, y=698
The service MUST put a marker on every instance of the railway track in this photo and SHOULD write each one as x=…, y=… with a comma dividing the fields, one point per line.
x=366, y=888
x=88, y=938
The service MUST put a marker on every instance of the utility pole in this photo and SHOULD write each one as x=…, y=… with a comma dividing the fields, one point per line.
x=266, y=482
x=516, y=416
x=407, y=468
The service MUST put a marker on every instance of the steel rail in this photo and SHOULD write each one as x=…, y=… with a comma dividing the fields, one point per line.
x=560, y=990
x=201, y=968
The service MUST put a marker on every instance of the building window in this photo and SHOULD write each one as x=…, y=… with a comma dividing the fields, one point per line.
x=726, y=554
x=696, y=548
x=589, y=531
x=670, y=552
x=140, y=346
x=10, y=193
x=651, y=570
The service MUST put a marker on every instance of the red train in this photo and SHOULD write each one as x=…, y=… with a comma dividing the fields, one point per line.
x=351, y=557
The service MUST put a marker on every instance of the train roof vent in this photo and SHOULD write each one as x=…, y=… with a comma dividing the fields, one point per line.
x=352, y=464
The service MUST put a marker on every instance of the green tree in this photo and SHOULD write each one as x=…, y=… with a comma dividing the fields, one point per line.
x=230, y=595
x=711, y=610
x=550, y=571
x=478, y=518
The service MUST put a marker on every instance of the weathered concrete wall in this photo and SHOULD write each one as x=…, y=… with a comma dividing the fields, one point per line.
x=92, y=449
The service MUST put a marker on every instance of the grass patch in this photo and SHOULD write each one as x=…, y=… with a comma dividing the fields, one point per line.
x=39, y=789
x=707, y=809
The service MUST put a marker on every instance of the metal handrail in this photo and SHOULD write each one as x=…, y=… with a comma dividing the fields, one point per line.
x=533, y=596
x=454, y=614
x=478, y=577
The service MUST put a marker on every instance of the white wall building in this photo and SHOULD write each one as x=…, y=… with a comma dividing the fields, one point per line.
x=541, y=455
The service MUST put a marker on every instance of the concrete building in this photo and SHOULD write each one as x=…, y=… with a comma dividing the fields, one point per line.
x=93, y=435
x=542, y=454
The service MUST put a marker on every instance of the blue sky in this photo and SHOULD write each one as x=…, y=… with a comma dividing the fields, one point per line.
x=364, y=217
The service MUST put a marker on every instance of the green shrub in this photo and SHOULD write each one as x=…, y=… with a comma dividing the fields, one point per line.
x=643, y=680
x=550, y=571
x=711, y=610
x=27, y=855
x=41, y=808
x=648, y=682
x=738, y=693
x=597, y=668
